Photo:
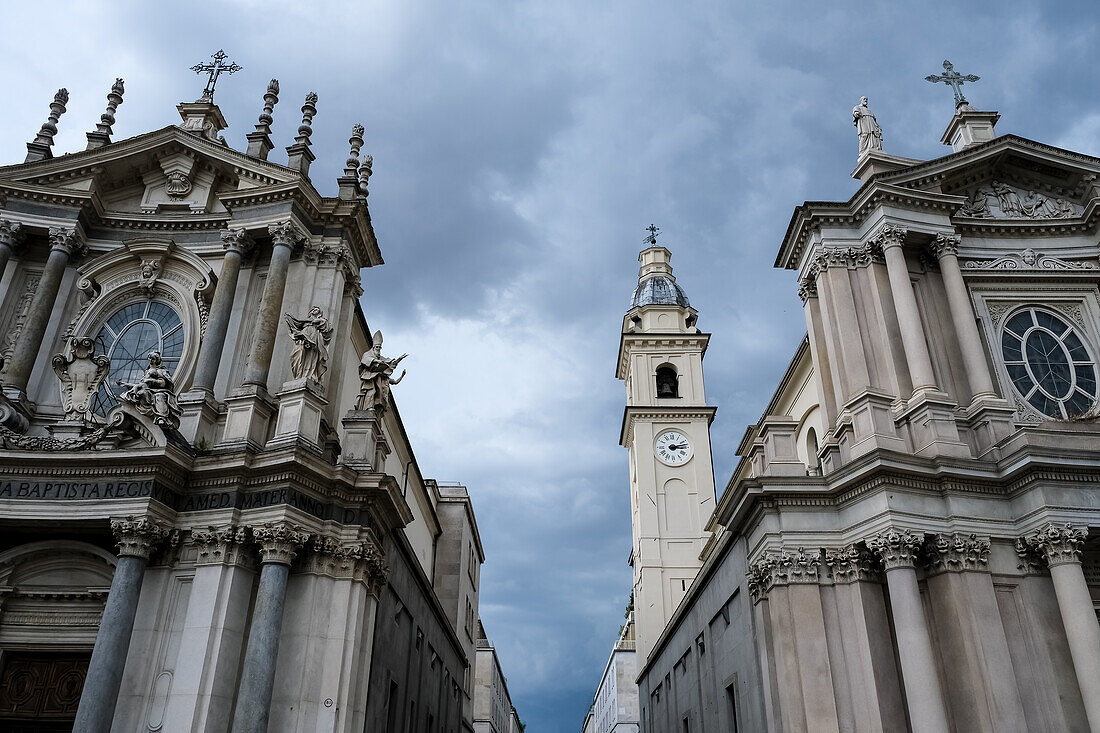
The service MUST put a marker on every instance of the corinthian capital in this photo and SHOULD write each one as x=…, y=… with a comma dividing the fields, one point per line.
x=946, y=244
x=285, y=234
x=67, y=241
x=957, y=552
x=785, y=567
x=137, y=537
x=807, y=287
x=1058, y=543
x=216, y=545
x=236, y=240
x=897, y=548
x=11, y=233
x=279, y=543
x=890, y=235
x=852, y=563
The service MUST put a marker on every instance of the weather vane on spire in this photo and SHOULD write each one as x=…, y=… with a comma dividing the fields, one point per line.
x=215, y=70
x=953, y=79
x=651, y=240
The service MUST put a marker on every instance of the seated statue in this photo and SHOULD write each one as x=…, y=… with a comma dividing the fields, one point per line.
x=154, y=394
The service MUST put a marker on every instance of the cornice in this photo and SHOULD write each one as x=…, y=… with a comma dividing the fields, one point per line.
x=657, y=339
x=82, y=162
x=746, y=501
x=633, y=413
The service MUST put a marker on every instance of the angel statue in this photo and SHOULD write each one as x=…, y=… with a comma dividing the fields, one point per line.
x=376, y=376
x=311, y=336
x=154, y=394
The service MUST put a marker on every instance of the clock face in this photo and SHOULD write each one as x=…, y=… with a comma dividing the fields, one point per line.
x=673, y=448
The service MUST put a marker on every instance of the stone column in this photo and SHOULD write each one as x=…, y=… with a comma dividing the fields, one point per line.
x=64, y=244
x=236, y=243
x=284, y=237
x=279, y=544
x=946, y=248
x=898, y=550
x=891, y=238
x=1061, y=544
x=136, y=539
x=10, y=234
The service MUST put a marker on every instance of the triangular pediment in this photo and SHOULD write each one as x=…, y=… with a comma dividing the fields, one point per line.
x=1008, y=178
x=164, y=171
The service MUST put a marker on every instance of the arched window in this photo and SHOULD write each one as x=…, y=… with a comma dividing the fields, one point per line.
x=126, y=339
x=813, y=460
x=667, y=381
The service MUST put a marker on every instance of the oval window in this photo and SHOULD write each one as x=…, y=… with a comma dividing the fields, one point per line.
x=1049, y=364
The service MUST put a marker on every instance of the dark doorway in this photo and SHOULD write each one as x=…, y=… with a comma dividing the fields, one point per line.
x=40, y=691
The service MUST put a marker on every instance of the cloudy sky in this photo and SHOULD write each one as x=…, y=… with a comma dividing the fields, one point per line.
x=520, y=150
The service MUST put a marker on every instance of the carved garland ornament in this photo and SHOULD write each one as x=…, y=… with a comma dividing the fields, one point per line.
x=1030, y=260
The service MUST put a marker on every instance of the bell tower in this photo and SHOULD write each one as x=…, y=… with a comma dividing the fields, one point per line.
x=666, y=429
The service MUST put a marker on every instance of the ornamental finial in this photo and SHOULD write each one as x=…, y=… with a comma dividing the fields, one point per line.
x=654, y=232
x=953, y=79
x=299, y=153
x=102, y=134
x=39, y=148
x=366, y=170
x=351, y=167
x=214, y=70
x=271, y=98
x=259, y=142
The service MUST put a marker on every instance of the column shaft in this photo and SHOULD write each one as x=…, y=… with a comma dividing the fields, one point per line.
x=962, y=316
x=1083, y=633
x=206, y=371
x=259, y=361
x=912, y=332
x=923, y=693
x=258, y=672
x=5, y=255
x=38, y=317
x=97, y=702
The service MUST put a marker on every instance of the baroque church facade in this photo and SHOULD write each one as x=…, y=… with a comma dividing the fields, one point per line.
x=212, y=516
x=909, y=538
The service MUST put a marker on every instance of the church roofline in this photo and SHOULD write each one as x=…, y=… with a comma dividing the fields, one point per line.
x=86, y=159
x=896, y=186
x=281, y=183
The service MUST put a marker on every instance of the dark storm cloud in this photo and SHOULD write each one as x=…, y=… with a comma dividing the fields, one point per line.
x=520, y=149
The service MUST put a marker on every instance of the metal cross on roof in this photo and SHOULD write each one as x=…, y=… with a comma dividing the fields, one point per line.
x=953, y=79
x=215, y=69
x=653, y=232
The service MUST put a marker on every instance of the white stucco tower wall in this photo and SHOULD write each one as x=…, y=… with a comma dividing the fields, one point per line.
x=671, y=485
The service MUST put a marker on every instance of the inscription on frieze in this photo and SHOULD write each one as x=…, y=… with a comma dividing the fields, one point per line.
x=75, y=490
x=52, y=490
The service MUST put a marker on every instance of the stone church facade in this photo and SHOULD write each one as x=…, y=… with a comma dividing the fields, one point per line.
x=909, y=540
x=211, y=517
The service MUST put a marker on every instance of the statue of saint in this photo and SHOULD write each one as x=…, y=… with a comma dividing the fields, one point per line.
x=870, y=134
x=311, y=336
x=154, y=394
x=376, y=377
